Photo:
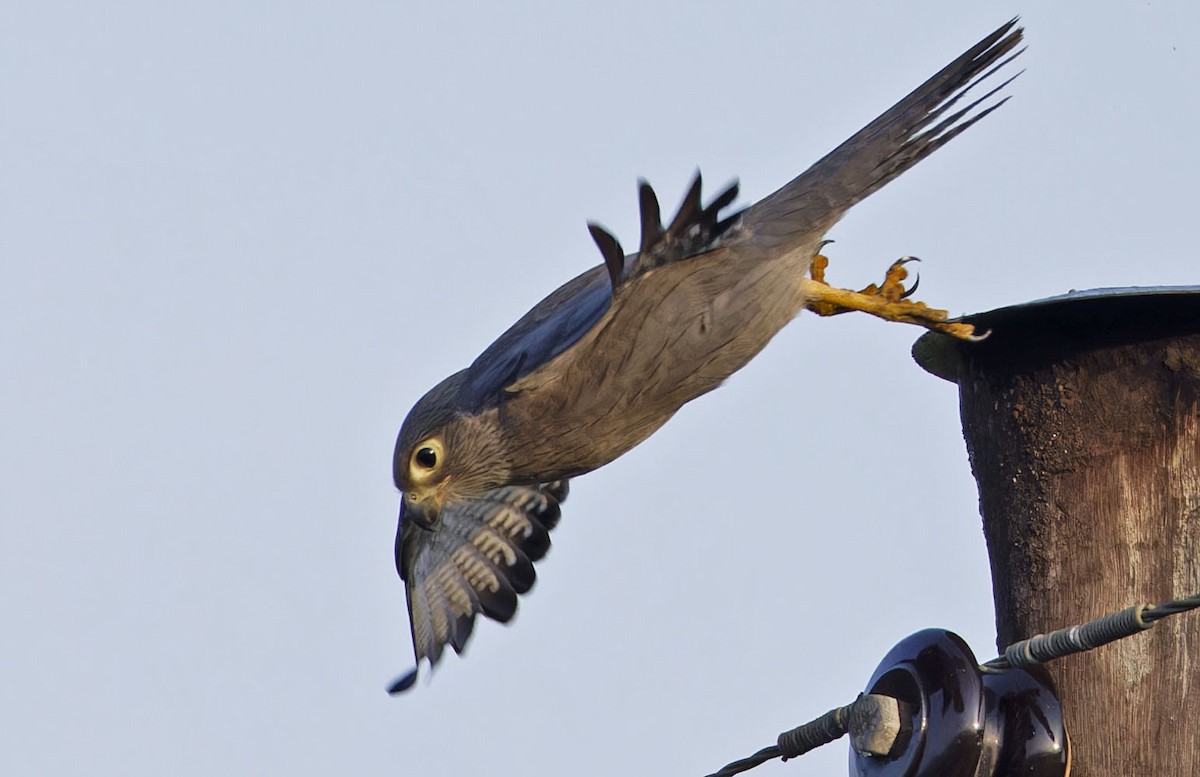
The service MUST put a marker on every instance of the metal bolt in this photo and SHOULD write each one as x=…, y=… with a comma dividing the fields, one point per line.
x=874, y=724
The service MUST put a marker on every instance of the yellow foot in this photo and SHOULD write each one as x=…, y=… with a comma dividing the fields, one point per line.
x=887, y=300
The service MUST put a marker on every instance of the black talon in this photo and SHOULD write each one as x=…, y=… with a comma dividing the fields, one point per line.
x=913, y=289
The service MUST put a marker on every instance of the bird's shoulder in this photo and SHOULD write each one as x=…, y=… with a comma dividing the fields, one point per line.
x=549, y=328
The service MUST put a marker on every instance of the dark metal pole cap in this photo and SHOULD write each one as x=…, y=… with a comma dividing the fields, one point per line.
x=1046, y=328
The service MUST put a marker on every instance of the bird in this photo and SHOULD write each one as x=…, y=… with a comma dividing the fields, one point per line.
x=484, y=459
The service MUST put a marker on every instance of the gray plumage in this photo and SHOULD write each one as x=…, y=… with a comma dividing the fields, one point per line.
x=482, y=459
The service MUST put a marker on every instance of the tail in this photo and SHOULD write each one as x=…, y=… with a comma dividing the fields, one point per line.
x=906, y=133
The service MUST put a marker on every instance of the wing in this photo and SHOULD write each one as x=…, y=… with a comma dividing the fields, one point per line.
x=557, y=322
x=478, y=560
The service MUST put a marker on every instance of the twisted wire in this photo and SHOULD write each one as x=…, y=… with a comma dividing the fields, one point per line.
x=746, y=764
x=1173, y=607
x=821, y=731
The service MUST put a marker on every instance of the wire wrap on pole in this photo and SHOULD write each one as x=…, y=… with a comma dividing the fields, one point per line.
x=830, y=727
x=1041, y=648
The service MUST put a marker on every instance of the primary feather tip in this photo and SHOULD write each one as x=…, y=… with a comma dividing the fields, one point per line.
x=404, y=682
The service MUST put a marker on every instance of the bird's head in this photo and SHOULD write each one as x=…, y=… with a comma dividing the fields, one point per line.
x=446, y=453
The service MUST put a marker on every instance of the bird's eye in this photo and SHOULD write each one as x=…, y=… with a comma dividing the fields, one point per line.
x=426, y=459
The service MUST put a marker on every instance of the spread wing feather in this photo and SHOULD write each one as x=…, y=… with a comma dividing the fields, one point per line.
x=694, y=230
x=477, y=560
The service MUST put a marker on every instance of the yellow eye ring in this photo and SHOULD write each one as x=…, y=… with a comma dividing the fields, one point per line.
x=426, y=459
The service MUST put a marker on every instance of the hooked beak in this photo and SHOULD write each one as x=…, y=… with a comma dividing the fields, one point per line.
x=423, y=513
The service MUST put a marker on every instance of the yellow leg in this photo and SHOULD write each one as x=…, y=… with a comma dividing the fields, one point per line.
x=887, y=301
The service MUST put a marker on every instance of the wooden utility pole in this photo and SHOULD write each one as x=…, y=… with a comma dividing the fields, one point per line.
x=1082, y=420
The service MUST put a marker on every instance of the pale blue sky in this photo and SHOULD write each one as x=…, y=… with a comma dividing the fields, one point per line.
x=238, y=240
